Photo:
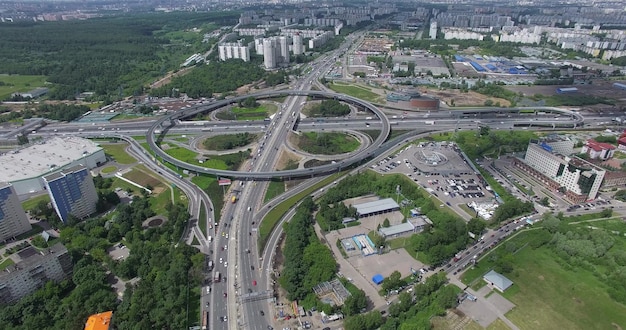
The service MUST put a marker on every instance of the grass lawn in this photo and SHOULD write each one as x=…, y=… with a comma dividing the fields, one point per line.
x=215, y=192
x=6, y=263
x=274, y=189
x=19, y=83
x=356, y=91
x=327, y=143
x=271, y=219
x=551, y=297
x=398, y=243
x=117, y=152
x=189, y=156
x=160, y=201
x=30, y=203
x=117, y=182
x=143, y=178
x=109, y=169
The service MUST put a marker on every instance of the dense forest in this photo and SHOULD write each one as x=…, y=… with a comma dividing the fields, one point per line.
x=216, y=77
x=61, y=112
x=108, y=55
x=165, y=272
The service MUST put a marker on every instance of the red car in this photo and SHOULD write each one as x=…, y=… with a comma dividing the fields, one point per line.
x=253, y=282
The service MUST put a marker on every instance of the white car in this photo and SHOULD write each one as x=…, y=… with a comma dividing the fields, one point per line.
x=225, y=247
x=221, y=260
x=226, y=236
x=226, y=264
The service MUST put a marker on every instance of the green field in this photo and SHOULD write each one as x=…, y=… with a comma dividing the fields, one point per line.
x=271, y=219
x=189, y=156
x=274, y=188
x=32, y=202
x=551, y=294
x=356, y=91
x=327, y=143
x=237, y=113
x=10, y=84
x=202, y=219
x=117, y=152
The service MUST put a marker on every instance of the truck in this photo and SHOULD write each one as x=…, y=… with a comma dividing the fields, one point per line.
x=429, y=122
x=216, y=277
x=233, y=199
x=369, y=118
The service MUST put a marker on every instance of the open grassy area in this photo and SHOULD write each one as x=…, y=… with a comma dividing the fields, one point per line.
x=30, y=203
x=109, y=169
x=160, y=201
x=271, y=219
x=398, y=243
x=550, y=294
x=327, y=143
x=6, y=263
x=215, y=192
x=117, y=152
x=222, y=162
x=274, y=188
x=356, y=91
x=237, y=113
x=17, y=83
x=144, y=179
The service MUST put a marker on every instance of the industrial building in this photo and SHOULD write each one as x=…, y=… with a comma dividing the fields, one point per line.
x=236, y=50
x=13, y=220
x=414, y=100
x=412, y=226
x=34, y=270
x=578, y=179
x=72, y=192
x=23, y=168
x=33, y=94
x=376, y=207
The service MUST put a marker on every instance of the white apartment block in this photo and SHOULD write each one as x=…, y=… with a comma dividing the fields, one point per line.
x=578, y=179
x=234, y=50
x=13, y=220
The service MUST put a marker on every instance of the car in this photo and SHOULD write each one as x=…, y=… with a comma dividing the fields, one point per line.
x=206, y=305
x=223, y=234
x=254, y=282
x=251, y=267
x=221, y=260
x=226, y=264
x=262, y=313
x=225, y=294
x=225, y=247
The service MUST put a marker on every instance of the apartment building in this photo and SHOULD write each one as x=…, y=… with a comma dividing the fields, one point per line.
x=72, y=192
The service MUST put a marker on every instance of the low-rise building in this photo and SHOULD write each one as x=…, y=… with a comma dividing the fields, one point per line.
x=497, y=281
x=380, y=206
x=598, y=150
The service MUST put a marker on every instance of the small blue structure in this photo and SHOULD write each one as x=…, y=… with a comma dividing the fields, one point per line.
x=459, y=58
x=377, y=279
x=491, y=67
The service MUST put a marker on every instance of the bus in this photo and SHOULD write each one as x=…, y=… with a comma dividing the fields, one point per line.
x=205, y=320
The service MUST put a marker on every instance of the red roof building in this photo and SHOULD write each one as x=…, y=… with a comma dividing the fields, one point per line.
x=598, y=150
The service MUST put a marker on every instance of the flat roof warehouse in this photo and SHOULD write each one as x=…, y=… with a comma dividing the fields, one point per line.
x=45, y=157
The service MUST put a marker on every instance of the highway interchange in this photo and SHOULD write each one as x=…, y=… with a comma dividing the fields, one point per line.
x=239, y=300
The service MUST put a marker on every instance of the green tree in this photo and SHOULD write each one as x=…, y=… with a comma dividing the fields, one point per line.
x=386, y=223
x=476, y=226
x=355, y=303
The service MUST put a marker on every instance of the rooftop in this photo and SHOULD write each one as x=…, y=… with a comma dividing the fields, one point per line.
x=498, y=280
x=44, y=157
x=62, y=173
x=397, y=229
x=376, y=206
x=599, y=146
x=99, y=321
x=33, y=257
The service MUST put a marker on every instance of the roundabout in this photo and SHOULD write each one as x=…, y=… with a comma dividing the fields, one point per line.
x=167, y=122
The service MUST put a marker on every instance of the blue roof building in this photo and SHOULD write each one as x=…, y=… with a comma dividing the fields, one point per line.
x=377, y=279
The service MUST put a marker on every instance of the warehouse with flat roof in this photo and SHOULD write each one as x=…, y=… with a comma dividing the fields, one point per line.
x=376, y=207
x=25, y=167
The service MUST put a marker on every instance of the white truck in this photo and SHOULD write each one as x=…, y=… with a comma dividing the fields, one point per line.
x=429, y=122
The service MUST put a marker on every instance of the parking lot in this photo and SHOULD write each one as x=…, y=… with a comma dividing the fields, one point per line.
x=441, y=170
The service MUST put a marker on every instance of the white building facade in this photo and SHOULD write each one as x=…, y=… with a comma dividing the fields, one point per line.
x=13, y=220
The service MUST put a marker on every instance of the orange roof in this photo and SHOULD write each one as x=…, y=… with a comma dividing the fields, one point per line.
x=99, y=321
x=599, y=146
